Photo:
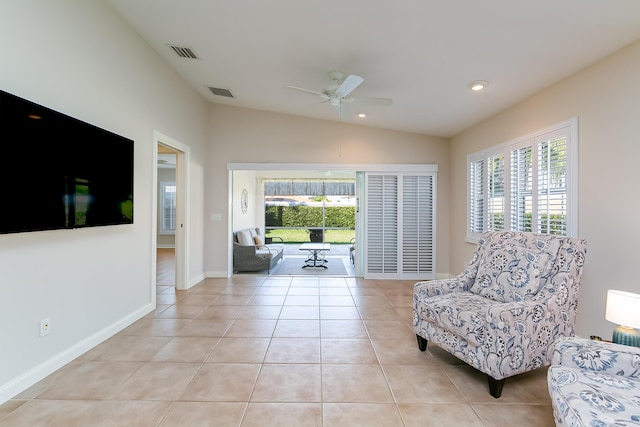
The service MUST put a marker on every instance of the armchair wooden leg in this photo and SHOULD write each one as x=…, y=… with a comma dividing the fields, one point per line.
x=422, y=343
x=495, y=386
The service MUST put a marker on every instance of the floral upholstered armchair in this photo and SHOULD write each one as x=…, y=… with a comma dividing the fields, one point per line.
x=594, y=383
x=501, y=315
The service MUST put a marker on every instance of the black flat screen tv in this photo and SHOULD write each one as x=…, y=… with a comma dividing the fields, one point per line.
x=59, y=172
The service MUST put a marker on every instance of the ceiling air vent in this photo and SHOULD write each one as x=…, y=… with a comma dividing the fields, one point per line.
x=221, y=92
x=184, y=51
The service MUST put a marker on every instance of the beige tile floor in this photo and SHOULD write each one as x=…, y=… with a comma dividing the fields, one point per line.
x=276, y=351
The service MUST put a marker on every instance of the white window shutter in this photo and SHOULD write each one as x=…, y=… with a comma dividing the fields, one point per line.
x=529, y=184
x=522, y=197
x=495, y=193
x=417, y=224
x=476, y=197
x=168, y=206
x=400, y=218
x=382, y=223
x=552, y=186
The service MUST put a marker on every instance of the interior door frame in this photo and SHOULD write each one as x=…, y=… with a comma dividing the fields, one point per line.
x=183, y=153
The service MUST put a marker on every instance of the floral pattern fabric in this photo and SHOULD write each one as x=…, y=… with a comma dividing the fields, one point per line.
x=510, y=274
x=593, y=383
x=498, y=338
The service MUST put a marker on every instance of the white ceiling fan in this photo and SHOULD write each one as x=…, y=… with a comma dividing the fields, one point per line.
x=338, y=93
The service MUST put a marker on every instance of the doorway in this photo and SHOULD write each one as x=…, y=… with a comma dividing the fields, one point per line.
x=171, y=203
x=406, y=244
x=166, y=242
x=312, y=212
x=266, y=185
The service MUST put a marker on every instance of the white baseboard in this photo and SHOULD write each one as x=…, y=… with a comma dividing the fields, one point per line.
x=217, y=274
x=39, y=372
x=196, y=280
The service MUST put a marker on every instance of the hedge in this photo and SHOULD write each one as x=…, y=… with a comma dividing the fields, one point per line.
x=310, y=216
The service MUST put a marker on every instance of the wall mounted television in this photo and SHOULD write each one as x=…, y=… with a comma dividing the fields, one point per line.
x=59, y=172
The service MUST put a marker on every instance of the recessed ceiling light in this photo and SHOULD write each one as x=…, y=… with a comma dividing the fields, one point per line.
x=362, y=115
x=477, y=85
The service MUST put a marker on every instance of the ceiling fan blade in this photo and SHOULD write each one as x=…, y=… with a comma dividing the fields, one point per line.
x=348, y=85
x=373, y=101
x=309, y=91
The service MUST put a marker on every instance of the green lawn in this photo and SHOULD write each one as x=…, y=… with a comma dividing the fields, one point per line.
x=301, y=235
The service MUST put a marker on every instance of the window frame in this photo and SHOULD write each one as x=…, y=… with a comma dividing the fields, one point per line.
x=477, y=204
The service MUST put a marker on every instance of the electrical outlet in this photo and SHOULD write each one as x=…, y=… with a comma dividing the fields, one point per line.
x=45, y=327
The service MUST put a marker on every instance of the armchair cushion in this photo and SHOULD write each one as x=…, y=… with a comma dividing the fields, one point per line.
x=510, y=274
x=245, y=238
x=463, y=314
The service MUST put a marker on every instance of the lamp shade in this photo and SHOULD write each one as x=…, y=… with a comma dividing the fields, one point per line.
x=623, y=308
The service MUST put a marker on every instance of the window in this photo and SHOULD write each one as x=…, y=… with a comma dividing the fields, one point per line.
x=168, y=220
x=529, y=184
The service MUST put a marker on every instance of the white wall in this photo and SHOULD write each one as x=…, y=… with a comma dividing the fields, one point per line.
x=246, y=180
x=79, y=58
x=606, y=99
x=240, y=135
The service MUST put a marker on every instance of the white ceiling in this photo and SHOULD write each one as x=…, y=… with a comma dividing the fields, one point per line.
x=421, y=53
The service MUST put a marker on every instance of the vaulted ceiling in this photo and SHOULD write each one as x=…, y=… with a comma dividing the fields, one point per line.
x=422, y=54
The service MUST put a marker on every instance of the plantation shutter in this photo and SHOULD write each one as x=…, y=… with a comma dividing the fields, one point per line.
x=539, y=184
x=532, y=182
x=552, y=185
x=522, y=188
x=168, y=207
x=417, y=224
x=495, y=193
x=382, y=224
x=400, y=224
x=476, y=196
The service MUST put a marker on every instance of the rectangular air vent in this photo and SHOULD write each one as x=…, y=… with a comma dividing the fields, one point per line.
x=221, y=92
x=184, y=51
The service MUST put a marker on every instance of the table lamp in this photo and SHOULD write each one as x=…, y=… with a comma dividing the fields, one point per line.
x=623, y=308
